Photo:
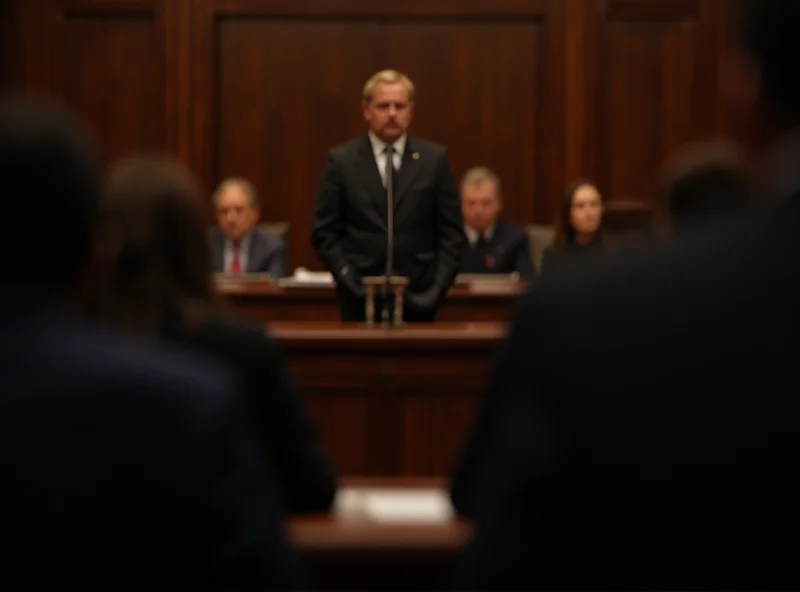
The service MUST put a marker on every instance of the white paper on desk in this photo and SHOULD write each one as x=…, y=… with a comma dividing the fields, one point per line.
x=427, y=506
x=301, y=274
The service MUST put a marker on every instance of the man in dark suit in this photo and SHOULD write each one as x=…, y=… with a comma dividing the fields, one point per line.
x=642, y=422
x=495, y=246
x=237, y=246
x=123, y=465
x=351, y=218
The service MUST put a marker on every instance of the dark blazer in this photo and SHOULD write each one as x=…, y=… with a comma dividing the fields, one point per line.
x=267, y=254
x=349, y=225
x=508, y=251
x=641, y=426
x=552, y=259
x=306, y=477
x=125, y=464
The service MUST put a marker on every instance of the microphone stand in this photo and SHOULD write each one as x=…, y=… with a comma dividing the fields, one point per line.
x=389, y=233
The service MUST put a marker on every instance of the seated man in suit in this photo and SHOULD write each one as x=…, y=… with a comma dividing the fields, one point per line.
x=237, y=246
x=495, y=246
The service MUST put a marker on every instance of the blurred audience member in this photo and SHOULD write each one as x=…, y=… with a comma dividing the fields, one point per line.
x=651, y=446
x=237, y=246
x=494, y=245
x=704, y=183
x=162, y=285
x=123, y=465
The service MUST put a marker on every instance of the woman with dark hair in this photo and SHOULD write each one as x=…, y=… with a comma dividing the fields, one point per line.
x=162, y=285
x=579, y=224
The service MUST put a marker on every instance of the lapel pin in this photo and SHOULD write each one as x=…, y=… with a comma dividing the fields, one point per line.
x=415, y=155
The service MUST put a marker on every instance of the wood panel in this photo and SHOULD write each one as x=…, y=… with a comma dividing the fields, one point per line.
x=263, y=302
x=122, y=65
x=29, y=45
x=122, y=93
x=390, y=402
x=541, y=90
x=7, y=62
x=654, y=71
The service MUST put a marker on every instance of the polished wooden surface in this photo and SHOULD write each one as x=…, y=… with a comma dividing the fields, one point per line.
x=262, y=301
x=297, y=334
x=329, y=532
x=348, y=552
x=390, y=401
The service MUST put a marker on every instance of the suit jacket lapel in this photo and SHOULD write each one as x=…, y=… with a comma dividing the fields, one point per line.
x=255, y=251
x=408, y=171
x=367, y=170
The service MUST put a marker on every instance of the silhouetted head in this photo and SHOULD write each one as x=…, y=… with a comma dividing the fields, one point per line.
x=762, y=83
x=49, y=187
x=162, y=272
x=704, y=182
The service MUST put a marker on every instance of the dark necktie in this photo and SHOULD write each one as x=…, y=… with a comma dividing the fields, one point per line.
x=389, y=172
x=484, y=252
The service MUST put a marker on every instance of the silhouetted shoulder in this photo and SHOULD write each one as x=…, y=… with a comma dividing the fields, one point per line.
x=622, y=293
x=237, y=338
x=96, y=358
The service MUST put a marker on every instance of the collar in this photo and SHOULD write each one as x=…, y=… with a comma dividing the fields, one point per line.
x=244, y=243
x=379, y=145
x=473, y=236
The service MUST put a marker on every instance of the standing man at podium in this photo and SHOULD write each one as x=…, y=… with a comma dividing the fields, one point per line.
x=388, y=205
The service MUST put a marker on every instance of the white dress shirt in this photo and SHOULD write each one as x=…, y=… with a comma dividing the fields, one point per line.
x=473, y=236
x=378, y=147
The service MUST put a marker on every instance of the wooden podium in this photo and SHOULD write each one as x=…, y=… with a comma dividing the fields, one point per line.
x=395, y=401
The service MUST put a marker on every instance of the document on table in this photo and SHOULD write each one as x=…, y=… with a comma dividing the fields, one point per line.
x=303, y=278
x=427, y=506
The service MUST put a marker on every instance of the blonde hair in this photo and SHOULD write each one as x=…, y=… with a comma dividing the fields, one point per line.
x=481, y=174
x=386, y=77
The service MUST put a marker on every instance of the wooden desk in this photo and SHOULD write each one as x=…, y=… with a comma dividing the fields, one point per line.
x=265, y=302
x=356, y=553
x=390, y=401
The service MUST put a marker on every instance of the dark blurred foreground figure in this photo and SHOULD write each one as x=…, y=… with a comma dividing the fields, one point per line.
x=704, y=184
x=122, y=465
x=161, y=284
x=654, y=446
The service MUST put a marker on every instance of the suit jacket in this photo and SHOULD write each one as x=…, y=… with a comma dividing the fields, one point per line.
x=508, y=251
x=125, y=465
x=349, y=225
x=553, y=259
x=639, y=429
x=305, y=475
x=267, y=254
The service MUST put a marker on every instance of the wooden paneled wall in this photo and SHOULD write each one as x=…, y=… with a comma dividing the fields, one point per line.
x=543, y=91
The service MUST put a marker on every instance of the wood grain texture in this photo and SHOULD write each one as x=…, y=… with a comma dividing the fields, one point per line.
x=543, y=91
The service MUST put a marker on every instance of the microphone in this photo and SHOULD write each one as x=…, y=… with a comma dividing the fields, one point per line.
x=389, y=174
